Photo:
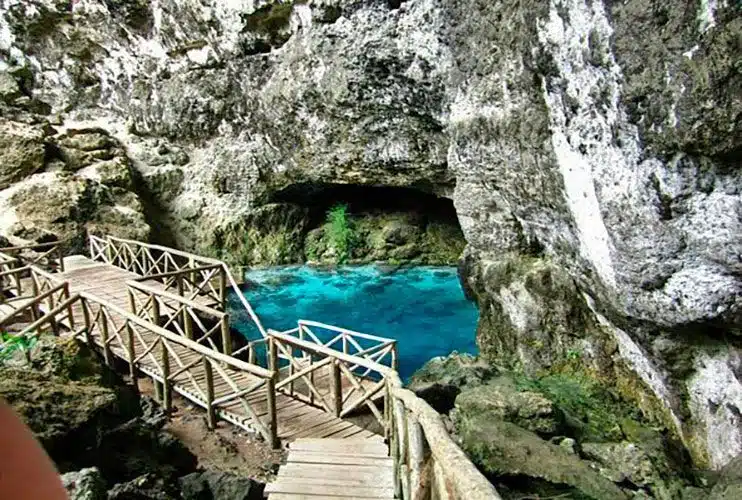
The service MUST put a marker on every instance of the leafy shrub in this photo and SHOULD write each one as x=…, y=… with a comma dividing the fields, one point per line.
x=340, y=232
x=10, y=344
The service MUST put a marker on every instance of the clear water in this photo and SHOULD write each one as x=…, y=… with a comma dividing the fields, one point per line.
x=423, y=308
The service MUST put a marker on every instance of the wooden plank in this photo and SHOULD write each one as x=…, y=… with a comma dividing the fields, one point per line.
x=357, y=446
x=294, y=496
x=346, y=459
x=364, y=481
x=315, y=489
x=382, y=474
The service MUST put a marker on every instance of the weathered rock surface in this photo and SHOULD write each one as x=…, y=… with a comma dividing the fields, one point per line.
x=85, y=484
x=441, y=379
x=213, y=485
x=729, y=484
x=595, y=141
x=504, y=449
x=500, y=399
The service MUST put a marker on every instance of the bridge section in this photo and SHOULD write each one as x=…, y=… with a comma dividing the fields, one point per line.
x=163, y=313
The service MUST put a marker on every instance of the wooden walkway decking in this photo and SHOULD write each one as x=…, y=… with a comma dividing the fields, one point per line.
x=335, y=469
x=162, y=312
x=296, y=419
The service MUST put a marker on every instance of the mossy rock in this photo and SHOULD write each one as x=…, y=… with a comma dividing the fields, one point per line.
x=501, y=399
x=504, y=450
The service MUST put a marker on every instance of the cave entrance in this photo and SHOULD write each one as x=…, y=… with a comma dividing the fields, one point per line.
x=395, y=224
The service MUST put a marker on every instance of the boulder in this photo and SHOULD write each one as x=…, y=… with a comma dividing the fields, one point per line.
x=85, y=484
x=628, y=462
x=729, y=484
x=441, y=379
x=504, y=450
x=501, y=399
x=145, y=487
x=217, y=485
x=22, y=151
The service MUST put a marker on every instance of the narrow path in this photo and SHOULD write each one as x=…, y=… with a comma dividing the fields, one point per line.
x=334, y=469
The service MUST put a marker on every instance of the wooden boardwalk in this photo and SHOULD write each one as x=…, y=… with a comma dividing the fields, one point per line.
x=335, y=468
x=295, y=418
x=330, y=394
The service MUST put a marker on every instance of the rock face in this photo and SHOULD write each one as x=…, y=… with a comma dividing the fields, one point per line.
x=589, y=147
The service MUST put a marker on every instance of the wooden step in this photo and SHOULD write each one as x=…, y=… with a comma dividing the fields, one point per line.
x=343, y=446
x=341, y=459
x=303, y=488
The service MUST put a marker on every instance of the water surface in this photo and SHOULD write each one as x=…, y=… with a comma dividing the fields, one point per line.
x=423, y=308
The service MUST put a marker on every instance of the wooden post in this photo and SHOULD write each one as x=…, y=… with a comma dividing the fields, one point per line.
x=394, y=448
x=417, y=457
x=226, y=336
x=132, y=302
x=179, y=284
x=223, y=287
x=107, y=355
x=70, y=312
x=35, y=289
x=251, y=353
x=167, y=400
x=273, y=421
x=400, y=431
x=337, y=391
x=61, y=258
x=273, y=355
x=394, y=357
x=131, y=352
x=209, y=379
x=187, y=322
x=88, y=326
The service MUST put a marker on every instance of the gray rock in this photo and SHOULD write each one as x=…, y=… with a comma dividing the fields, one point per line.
x=22, y=150
x=145, y=487
x=729, y=484
x=85, y=484
x=441, y=379
x=504, y=449
x=500, y=399
x=215, y=485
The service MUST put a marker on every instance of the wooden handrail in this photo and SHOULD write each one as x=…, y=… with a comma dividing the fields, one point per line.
x=305, y=322
x=178, y=272
x=35, y=301
x=326, y=351
x=459, y=470
x=205, y=351
x=50, y=316
x=138, y=285
x=194, y=258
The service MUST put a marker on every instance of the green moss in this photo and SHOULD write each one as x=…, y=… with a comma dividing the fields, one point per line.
x=444, y=243
x=592, y=411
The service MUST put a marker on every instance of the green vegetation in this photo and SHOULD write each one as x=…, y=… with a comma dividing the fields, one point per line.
x=340, y=232
x=10, y=344
x=592, y=411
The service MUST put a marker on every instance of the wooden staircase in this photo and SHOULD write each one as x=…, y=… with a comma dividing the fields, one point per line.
x=335, y=469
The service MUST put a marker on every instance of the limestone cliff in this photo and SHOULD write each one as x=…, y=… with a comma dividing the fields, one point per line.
x=591, y=150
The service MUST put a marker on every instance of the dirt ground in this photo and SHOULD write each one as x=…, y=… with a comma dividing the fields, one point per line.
x=227, y=448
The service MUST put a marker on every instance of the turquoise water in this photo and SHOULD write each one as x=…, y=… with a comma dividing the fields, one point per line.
x=423, y=308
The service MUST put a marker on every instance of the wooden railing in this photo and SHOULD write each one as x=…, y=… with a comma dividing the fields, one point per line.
x=47, y=256
x=45, y=291
x=338, y=381
x=185, y=317
x=179, y=364
x=427, y=462
x=189, y=274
